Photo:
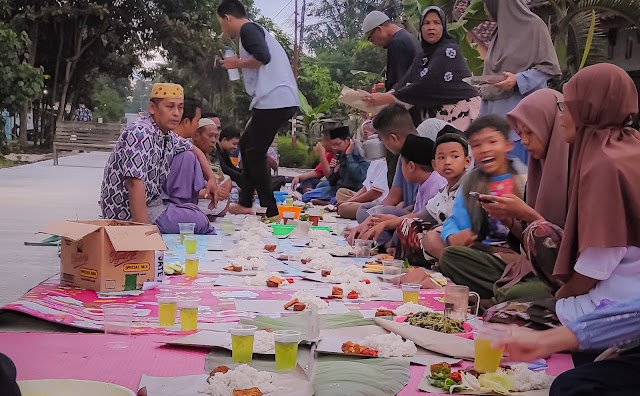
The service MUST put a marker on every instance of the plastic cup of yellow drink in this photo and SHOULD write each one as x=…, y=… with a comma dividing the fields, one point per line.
x=188, y=313
x=242, y=343
x=167, y=309
x=191, y=265
x=288, y=202
x=410, y=292
x=186, y=229
x=191, y=244
x=286, y=349
x=487, y=358
x=228, y=227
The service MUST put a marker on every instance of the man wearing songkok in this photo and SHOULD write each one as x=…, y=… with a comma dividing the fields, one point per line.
x=153, y=175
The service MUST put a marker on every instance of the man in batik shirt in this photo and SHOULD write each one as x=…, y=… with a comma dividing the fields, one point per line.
x=135, y=187
x=82, y=114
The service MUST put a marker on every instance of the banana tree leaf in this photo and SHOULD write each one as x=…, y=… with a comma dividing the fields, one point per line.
x=353, y=376
x=304, y=104
x=300, y=322
x=587, y=48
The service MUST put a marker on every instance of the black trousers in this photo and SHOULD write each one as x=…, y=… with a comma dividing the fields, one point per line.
x=254, y=143
x=615, y=377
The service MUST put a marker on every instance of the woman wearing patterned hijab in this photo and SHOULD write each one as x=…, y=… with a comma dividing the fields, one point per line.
x=434, y=85
x=521, y=51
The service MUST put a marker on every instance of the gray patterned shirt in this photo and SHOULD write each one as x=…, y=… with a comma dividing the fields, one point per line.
x=142, y=152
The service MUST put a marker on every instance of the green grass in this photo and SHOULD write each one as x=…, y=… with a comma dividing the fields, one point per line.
x=5, y=163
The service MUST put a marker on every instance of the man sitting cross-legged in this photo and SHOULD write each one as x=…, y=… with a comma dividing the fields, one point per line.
x=153, y=175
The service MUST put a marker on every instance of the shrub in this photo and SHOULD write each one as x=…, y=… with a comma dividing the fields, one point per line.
x=292, y=157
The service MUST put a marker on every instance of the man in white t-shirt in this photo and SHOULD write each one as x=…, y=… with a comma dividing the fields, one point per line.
x=375, y=187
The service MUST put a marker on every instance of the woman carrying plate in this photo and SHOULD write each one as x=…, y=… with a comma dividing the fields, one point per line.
x=522, y=52
x=434, y=84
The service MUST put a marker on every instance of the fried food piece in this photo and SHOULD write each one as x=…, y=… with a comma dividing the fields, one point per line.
x=337, y=292
x=353, y=295
x=270, y=248
x=356, y=349
x=384, y=312
x=326, y=273
x=255, y=391
x=142, y=392
x=219, y=369
x=272, y=284
x=234, y=268
x=299, y=306
x=304, y=261
x=384, y=257
x=275, y=279
x=290, y=303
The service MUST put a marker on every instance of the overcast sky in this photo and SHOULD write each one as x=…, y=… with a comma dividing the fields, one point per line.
x=281, y=11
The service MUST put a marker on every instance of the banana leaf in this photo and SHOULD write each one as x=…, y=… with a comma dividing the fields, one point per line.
x=353, y=376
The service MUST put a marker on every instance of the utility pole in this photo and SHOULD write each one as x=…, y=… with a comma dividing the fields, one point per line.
x=302, y=15
x=296, y=47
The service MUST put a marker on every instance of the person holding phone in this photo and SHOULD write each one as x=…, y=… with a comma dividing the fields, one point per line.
x=535, y=224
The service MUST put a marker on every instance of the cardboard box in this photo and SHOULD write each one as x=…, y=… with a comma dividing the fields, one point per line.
x=108, y=255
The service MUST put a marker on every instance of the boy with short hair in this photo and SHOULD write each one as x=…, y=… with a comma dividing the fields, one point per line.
x=308, y=181
x=420, y=241
x=416, y=158
x=496, y=174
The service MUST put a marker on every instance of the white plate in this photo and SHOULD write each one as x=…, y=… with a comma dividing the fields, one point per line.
x=67, y=387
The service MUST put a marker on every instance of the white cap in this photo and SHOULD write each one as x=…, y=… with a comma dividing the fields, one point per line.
x=205, y=122
x=373, y=20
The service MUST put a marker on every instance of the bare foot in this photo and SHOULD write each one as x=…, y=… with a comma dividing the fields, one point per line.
x=237, y=209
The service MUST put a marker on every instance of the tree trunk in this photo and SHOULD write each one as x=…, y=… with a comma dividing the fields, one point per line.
x=33, y=36
x=54, y=91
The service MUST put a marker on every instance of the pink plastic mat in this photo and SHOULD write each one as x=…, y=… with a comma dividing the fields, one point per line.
x=86, y=356
x=80, y=308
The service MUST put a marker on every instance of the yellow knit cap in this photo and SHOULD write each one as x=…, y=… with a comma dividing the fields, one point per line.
x=167, y=91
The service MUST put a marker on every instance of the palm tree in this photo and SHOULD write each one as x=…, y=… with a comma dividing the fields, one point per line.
x=576, y=30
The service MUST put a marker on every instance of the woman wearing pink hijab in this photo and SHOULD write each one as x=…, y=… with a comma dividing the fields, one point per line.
x=599, y=258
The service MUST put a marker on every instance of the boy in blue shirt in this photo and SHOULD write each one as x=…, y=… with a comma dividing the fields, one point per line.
x=495, y=174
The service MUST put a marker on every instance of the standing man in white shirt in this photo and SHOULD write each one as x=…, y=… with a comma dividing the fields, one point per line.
x=269, y=80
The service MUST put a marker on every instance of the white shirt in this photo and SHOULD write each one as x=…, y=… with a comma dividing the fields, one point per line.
x=441, y=205
x=617, y=269
x=377, y=179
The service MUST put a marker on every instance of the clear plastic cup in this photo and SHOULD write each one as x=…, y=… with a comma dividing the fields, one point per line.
x=186, y=229
x=191, y=265
x=215, y=243
x=286, y=346
x=167, y=310
x=411, y=292
x=363, y=248
x=191, y=244
x=487, y=359
x=118, y=320
x=392, y=271
x=188, y=313
x=288, y=201
x=242, y=343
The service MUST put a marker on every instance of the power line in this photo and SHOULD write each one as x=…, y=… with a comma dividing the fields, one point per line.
x=279, y=12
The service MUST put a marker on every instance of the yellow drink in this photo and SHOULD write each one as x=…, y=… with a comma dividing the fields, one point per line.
x=191, y=245
x=167, y=314
x=242, y=348
x=191, y=265
x=487, y=359
x=286, y=355
x=410, y=296
x=189, y=319
x=228, y=227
